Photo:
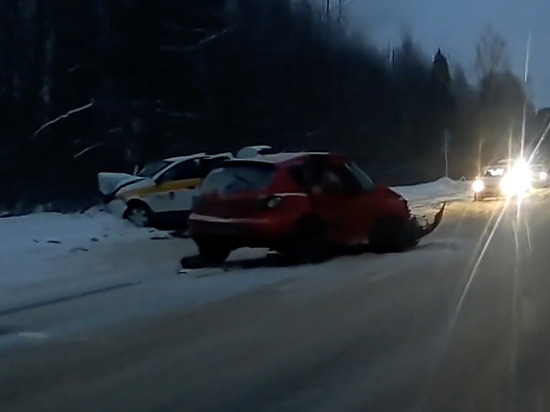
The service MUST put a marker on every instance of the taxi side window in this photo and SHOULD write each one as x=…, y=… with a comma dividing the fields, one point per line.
x=207, y=165
x=185, y=170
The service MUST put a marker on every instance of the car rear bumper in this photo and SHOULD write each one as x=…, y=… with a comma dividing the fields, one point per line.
x=241, y=232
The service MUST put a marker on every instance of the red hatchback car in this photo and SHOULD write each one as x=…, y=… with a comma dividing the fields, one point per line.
x=298, y=204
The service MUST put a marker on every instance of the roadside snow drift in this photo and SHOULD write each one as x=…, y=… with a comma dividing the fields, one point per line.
x=46, y=246
x=427, y=197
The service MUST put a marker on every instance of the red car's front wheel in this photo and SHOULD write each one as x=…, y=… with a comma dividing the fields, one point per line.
x=392, y=234
x=307, y=243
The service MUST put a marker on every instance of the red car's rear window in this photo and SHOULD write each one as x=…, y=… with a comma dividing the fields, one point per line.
x=239, y=178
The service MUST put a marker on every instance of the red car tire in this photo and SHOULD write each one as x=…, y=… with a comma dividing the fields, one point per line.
x=212, y=251
x=392, y=235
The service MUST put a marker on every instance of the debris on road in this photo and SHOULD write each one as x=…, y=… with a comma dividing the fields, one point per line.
x=79, y=249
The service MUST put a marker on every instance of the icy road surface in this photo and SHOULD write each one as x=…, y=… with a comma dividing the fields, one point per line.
x=459, y=323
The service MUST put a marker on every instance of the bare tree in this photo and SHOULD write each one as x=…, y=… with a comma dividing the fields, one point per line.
x=339, y=6
x=491, y=54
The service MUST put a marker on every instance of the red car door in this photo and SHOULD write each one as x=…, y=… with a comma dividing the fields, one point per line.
x=353, y=203
x=323, y=203
x=340, y=201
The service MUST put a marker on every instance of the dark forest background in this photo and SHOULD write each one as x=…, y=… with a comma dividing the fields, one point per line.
x=141, y=79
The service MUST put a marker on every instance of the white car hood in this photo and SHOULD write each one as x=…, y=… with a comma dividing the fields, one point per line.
x=109, y=182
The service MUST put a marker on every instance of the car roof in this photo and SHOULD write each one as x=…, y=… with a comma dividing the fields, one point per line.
x=252, y=151
x=257, y=147
x=279, y=158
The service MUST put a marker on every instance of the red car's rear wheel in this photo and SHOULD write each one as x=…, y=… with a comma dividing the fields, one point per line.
x=213, y=251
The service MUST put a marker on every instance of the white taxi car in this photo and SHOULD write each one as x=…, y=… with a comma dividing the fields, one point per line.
x=161, y=193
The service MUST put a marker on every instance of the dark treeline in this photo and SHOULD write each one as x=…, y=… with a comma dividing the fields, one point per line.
x=146, y=79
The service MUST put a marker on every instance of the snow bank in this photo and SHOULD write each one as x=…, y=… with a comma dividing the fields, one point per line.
x=43, y=246
x=444, y=189
x=70, y=230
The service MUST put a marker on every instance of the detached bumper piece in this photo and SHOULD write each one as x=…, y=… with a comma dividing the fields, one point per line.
x=424, y=228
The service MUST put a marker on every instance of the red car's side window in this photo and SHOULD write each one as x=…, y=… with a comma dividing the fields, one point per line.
x=307, y=176
x=328, y=177
x=337, y=178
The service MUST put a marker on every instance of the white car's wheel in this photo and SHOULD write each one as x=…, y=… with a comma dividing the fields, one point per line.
x=139, y=215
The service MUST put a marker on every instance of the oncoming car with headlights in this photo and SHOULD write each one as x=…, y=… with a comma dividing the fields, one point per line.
x=507, y=178
x=540, y=178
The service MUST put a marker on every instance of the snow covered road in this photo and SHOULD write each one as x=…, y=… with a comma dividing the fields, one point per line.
x=456, y=324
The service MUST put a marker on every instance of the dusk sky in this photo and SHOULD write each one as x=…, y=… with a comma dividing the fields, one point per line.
x=456, y=25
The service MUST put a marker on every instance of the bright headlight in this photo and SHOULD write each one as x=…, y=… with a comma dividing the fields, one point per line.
x=507, y=185
x=478, y=186
x=543, y=175
x=515, y=184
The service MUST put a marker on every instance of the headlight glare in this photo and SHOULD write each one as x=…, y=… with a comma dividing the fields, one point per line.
x=478, y=186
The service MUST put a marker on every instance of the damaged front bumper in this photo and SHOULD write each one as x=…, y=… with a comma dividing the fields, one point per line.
x=421, y=227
